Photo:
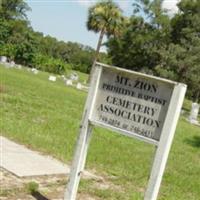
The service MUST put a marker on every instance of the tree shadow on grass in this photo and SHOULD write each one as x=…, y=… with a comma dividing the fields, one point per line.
x=39, y=196
x=195, y=141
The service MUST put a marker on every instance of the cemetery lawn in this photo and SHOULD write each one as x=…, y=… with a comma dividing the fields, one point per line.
x=45, y=116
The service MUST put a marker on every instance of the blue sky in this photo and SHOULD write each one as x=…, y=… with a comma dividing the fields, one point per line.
x=66, y=19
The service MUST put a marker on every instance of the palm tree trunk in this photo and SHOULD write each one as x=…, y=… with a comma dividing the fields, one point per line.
x=96, y=53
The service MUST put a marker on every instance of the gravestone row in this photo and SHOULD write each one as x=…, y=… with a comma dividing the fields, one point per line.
x=9, y=64
x=69, y=81
x=193, y=117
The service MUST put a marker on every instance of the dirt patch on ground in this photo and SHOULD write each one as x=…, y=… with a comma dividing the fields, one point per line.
x=49, y=187
x=2, y=89
x=17, y=188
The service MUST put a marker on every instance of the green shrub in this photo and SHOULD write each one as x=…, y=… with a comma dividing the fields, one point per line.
x=49, y=64
x=32, y=187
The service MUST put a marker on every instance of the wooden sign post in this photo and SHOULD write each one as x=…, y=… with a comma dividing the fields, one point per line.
x=133, y=104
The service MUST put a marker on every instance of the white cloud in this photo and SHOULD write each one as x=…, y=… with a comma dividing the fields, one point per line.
x=170, y=6
x=86, y=3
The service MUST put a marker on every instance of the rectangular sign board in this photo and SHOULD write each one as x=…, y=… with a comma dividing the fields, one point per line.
x=132, y=102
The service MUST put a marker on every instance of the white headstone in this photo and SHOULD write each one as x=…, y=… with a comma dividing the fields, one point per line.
x=18, y=66
x=3, y=59
x=68, y=82
x=74, y=76
x=52, y=78
x=194, y=113
x=34, y=70
x=12, y=64
x=79, y=86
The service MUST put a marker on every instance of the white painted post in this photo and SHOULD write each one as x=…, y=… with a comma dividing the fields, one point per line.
x=164, y=145
x=83, y=140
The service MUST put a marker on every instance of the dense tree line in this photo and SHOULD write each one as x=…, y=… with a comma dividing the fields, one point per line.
x=156, y=43
x=19, y=42
x=150, y=41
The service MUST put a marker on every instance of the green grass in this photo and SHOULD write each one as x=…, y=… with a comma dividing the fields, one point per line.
x=45, y=116
x=187, y=105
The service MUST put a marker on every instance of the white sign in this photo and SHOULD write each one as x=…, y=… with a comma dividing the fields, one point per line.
x=133, y=104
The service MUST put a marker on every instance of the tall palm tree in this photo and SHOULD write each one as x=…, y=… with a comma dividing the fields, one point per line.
x=104, y=17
